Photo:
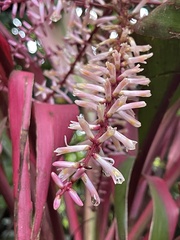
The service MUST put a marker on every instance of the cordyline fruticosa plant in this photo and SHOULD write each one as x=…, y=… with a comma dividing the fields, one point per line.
x=73, y=108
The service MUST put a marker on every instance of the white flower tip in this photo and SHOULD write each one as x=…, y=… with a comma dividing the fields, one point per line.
x=95, y=201
x=57, y=151
x=80, y=117
x=120, y=180
x=117, y=176
x=131, y=146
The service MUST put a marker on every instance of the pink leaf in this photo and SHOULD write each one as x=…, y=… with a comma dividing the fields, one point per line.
x=6, y=63
x=24, y=204
x=52, y=124
x=20, y=99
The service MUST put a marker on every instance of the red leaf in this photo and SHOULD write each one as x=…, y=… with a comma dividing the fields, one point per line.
x=20, y=94
x=24, y=203
x=6, y=63
x=52, y=124
x=20, y=99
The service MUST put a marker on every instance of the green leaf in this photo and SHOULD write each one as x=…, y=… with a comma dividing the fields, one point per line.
x=163, y=22
x=165, y=211
x=121, y=192
x=163, y=69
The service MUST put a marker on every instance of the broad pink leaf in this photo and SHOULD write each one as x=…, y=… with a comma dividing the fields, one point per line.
x=20, y=99
x=20, y=94
x=24, y=203
x=52, y=124
x=165, y=210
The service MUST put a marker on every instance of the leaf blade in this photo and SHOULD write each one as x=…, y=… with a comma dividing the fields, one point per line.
x=121, y=198
x=165, y=211
x=51, y=122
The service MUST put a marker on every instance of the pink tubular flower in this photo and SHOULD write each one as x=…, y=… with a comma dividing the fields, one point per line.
x=85, y=127
x=57, y=202
x=94, y=195
x=62, y=189
x=109, y=170
x=68, y=149
x=73, y=194
x=129, y=144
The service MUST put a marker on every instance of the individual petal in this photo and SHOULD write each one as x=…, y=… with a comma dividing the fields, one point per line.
x=109, y=160
x=76, y=126
x=91, y=87
x=65, y=164
x=57, y=202
x=57, y=180
x=96, y=68
x=120, y=86
x=78, y=174
x=100, y=56
x=117, y=104
x=129, y=119
x=81, y=94
x=130, y=72
x=128, y=143
x=108, y=91
x=117, y=176
x=136, y=93
x=143, y=48
x=132, y=105
x=141, y=80
x=117, y=59
x=85, y=126
x=73, y=194
x=101, y=112
x=140, y=59
x=66, y=173
x=112, y=72
x=68, y=149
x=94, y=195
x=91, y=76
x=109, y=133
x=86, y=104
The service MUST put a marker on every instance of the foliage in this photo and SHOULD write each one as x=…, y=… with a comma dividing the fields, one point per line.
x=78, y=92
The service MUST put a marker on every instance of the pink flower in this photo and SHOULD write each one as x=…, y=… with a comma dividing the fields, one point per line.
x=128, y=143
x=109, y=169
x=94, y=195
x=68, y=149
x=64, y=187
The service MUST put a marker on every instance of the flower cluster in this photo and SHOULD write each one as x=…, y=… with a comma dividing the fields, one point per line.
x=110, y=91
x=100, y=69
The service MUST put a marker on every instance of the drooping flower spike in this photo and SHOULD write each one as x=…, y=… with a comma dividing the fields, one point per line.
x=110, y=91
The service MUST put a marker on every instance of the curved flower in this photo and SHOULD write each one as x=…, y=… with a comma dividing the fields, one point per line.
x=94, y=195
x=109, y=169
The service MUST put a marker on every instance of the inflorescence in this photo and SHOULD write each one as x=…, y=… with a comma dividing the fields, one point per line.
x=109, y=90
